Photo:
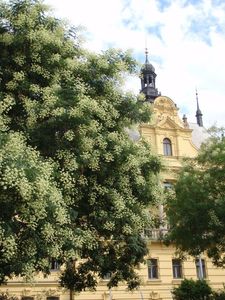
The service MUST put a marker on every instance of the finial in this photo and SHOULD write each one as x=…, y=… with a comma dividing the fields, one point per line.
x=185, y=121
x=196, y=93
x=146, y=56
x=184, y=118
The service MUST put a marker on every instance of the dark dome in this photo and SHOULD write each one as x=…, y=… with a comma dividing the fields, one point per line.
x=147, y=67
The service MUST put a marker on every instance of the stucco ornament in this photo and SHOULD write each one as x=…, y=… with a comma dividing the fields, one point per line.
x=165, y=109
x=154, y=296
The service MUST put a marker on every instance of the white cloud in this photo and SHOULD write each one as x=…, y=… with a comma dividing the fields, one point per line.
x=189, y=53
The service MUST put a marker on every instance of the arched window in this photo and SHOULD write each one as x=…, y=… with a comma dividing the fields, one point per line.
x=167, y=147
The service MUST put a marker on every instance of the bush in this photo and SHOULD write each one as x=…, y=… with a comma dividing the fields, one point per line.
x=219, y=295
x=193, y=290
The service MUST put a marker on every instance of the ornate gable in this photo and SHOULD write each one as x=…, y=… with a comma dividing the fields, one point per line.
x=168, y=123
x=166, y=113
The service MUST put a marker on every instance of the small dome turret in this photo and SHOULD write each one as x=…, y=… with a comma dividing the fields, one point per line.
x=147, y=68
x=148, y=76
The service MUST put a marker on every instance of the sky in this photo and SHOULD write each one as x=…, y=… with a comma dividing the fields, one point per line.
x=185, y=40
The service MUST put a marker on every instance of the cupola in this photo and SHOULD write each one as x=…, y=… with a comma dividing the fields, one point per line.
x=148, y=77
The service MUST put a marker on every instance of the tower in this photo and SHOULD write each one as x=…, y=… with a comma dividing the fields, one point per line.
x=148, y=77
x=198, y=113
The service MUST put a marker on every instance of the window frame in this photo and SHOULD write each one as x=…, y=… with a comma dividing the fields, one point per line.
x=167, y=147
x=53, y=298
x=197, y=266
x=107, y=276
x=177, y=268
x=167, y=185
x=54, y=265
x=153, y=268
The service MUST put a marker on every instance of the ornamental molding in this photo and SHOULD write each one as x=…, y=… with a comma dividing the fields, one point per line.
x=169, y=123
x=154, y=296
x=164, y=108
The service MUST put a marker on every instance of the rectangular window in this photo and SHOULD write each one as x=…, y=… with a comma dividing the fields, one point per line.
x=153, y=268
x=27, y=298
x=167, y=185
x=54, y=264
x=167, y=147
x=52, y=298
x=107, y=276
x=177, y=268
x=200, y=268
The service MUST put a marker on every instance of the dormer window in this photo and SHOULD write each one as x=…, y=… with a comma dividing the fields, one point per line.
x=167, y=147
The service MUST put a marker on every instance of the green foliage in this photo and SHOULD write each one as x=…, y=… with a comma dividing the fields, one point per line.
x=219, y=294
x=74, y=186
x=196, y=210
x=30, y=201
x=192, y=290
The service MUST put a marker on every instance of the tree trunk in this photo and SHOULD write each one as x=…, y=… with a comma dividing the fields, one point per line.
x=71, y=295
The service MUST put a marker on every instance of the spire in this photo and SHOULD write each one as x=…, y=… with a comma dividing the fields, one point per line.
x=146, y=56
x=148, y=76
x=198, y=112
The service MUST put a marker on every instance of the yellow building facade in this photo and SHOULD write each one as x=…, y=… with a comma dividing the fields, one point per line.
x=173, y=139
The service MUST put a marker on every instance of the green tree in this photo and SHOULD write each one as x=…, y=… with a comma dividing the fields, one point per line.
x=74, y=186
x=192, y=290
x=30, y=201
x=196, y=209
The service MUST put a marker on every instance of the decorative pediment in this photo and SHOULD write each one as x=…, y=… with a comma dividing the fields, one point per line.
x=165, y=105
x=165, y=109
x=168, y=123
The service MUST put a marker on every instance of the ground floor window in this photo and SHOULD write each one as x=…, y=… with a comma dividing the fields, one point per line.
x=54, y=264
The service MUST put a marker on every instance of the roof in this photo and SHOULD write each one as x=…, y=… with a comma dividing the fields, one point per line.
x=133, y=133
x=147, y=67
x=199, y=134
